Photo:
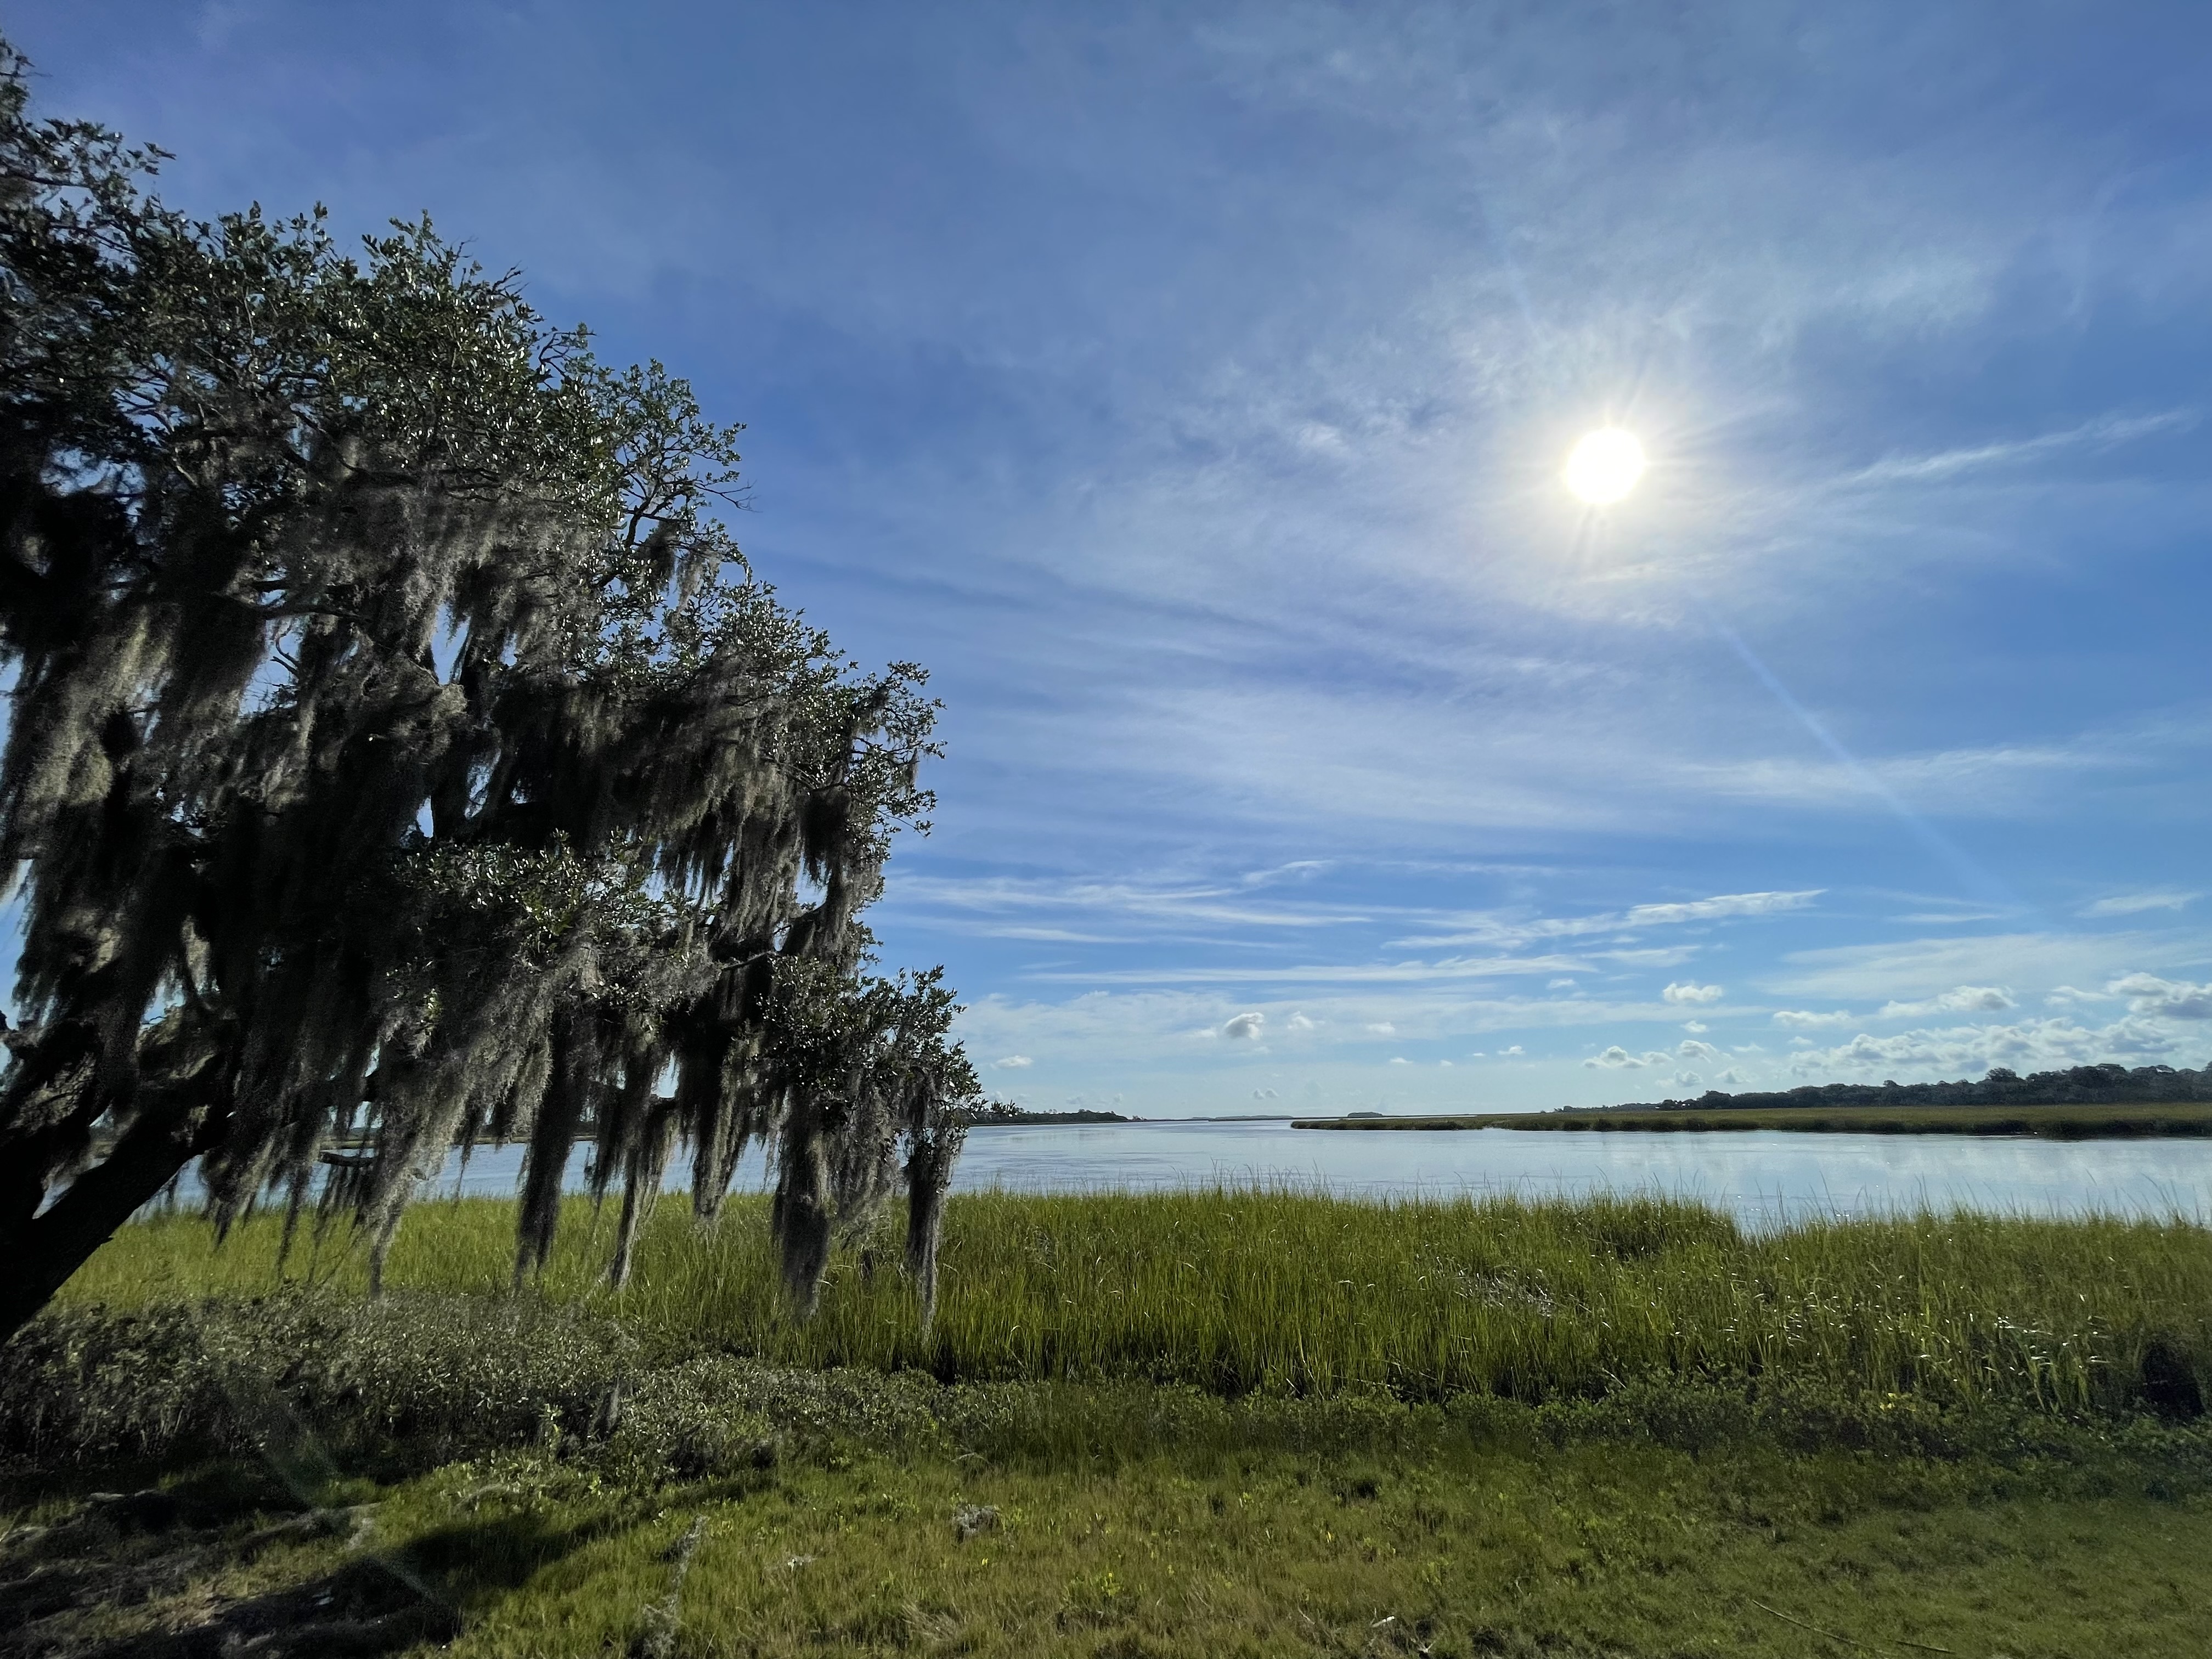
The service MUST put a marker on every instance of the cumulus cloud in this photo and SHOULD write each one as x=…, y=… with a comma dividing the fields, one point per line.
x=1696, y=1027
x=1263, y=1094
x=1399, y=1060
x=2134, y=904
x=1618, y=1058
x=1246, y=1027
x=1384, y=1028
x=1804, y=1019
x=1687, y=992
x=1011, y=1062
x=1515, y=1050
x=1690, y=1049
x=1963, y=999
x=1299, y=1022
x=1687, y=1079
x=2030, y=1045
x=2167, y=999
x=1731, y=1078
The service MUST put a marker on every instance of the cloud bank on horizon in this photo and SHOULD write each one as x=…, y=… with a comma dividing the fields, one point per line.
x=1188, y=388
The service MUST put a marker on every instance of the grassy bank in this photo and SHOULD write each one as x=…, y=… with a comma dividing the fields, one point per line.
x=1215, y=1423
x=2186, y=1119
x=1237, y=1291
x=446, y=1470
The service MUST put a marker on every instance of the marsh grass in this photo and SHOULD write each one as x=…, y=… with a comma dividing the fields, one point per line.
x=1235, y=1291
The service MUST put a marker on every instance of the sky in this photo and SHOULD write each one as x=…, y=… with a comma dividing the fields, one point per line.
x=1188, y=388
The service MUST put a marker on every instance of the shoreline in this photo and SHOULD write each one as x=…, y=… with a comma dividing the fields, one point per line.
x=2179, y=1119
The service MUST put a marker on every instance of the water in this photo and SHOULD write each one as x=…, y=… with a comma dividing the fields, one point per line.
x=1761, y=1176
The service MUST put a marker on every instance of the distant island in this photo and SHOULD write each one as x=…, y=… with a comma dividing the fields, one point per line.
x=1000, y=1114
x=2081, y=1103
x=2078, y=1086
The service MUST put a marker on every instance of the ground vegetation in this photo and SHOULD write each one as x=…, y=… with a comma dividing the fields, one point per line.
x=231, y=1459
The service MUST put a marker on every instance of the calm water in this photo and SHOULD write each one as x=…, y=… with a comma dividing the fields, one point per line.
x=1760, y=1175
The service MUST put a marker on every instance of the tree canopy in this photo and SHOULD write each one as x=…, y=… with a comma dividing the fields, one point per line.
x=401, y=753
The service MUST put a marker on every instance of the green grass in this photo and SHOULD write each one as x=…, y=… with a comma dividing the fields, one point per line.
x=1228, y=1423
x=1389, y=1530
x=1239, y=1290
x=2176, y=1119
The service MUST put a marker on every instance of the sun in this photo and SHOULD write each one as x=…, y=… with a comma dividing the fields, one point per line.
x=1605, y=466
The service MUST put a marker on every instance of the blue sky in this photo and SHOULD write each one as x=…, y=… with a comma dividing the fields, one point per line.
x=1187, y=387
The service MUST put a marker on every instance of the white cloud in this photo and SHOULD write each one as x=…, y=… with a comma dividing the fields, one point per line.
x=1617, y=1058
x=1299, y=1022
x=1384, y=1028
x=2130, y=904
x=1138, y=904
x=1927, y=967
x=1263, y=1094
x=1399, y=1060
x=1687, y=1079
x=1515, y=1050
x=1805, y=1019
x=1730, y=1078
x=1726, y=904
x=1689, y=991
x=1961, y=1000
x=1560, y=985
x=1696, y=1027
x=1501, y=931
x=2167, y=999
x=2069, y=996
x=1690, y=1049
x=1011, y=1062
x=2032, y=1045
x=1247, y=1027
x=2101, y=432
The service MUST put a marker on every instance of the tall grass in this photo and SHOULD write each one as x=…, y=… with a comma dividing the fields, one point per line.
x=1236, y=1290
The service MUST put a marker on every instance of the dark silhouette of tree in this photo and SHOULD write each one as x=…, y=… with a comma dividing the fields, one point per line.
x=400, y=753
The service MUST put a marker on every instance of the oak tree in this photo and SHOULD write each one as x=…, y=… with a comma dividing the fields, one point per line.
x=400, y=753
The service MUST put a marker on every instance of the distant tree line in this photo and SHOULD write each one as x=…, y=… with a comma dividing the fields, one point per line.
x=2110, y=1084
x=1005, y=1112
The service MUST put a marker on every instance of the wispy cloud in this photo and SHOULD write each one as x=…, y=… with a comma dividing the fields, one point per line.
x=1213, y=903
x=2102, y=433
x=1509, y=931
x=2134, y=904
x=1905, y=970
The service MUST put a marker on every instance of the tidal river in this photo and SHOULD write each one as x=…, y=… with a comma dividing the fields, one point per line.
x=1760, y=1175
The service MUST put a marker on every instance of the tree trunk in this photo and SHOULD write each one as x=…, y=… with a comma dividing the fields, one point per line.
x=44, y=1249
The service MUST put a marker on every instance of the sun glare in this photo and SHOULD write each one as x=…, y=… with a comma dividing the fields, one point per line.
x=1605, y=466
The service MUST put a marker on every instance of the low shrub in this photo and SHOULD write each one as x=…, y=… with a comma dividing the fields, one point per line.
x=307, y=1380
